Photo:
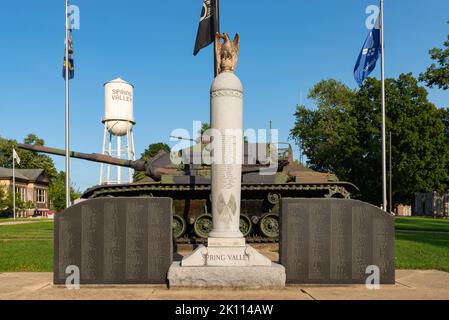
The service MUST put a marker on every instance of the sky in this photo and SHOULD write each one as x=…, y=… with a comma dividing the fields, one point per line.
x=285, y=48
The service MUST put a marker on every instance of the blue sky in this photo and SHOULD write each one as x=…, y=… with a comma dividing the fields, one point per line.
x=286, y=47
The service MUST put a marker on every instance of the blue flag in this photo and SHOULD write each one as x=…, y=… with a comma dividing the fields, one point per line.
x=70, y=45
x=71, y=68
x=369, y=55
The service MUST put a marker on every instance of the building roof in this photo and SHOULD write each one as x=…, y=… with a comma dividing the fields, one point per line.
x=25, y=174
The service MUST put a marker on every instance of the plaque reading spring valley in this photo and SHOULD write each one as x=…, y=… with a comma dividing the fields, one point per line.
x=115, y=241
x=333, y=241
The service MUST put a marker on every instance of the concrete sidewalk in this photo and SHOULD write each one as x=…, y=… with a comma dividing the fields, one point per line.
x=11, y=223
x=410, y=284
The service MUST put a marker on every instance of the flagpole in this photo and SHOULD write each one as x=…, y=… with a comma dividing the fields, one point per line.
x=390, y=178
x=384, y=157
x=217, y=29
x=67, y=151
x=14, y=185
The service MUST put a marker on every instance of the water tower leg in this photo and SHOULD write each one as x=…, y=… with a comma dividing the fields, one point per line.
x=132, y=144
x=103, y=152
x=133, y=150
x=130, y=153
x=108, y=178
x=119, y=155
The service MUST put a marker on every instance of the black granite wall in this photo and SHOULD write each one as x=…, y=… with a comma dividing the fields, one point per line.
x=333, y=241
x=115, y=241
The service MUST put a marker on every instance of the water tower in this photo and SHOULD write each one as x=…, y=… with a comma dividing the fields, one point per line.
x=118, y=123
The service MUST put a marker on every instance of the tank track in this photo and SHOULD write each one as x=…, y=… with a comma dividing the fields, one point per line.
x=249, y=239
x=120, y=190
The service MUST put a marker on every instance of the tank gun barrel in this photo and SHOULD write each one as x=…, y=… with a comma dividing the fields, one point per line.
x=182, y=138
x=155, y=167
x=94, y=157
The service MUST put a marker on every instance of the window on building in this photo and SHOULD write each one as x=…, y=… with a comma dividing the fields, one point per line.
x=23, y=192
x=41, y=195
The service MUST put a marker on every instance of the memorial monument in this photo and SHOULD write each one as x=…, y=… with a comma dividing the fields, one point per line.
x=128, y=240
x=123, y=234
x=226, y=260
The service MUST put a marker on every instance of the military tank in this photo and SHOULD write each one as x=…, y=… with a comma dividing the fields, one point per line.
x=189, y=185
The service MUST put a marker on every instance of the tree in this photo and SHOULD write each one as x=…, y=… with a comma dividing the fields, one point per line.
x=327, y=134
x=33, y=160
x=33, y=139
x=152, y=150
x=419, y=139
x=57, y=192
x=343, y=136
x=438, y=73
x=204, y=127
x=28, y=159
x=3, y=200
x=7, y=203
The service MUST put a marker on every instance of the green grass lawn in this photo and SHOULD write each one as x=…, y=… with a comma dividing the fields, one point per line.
x=29, y=247
x=418, y=248
x=26, y=247
x=422, y=224
x=29, y=231
x=422, y=251
x=26, y=256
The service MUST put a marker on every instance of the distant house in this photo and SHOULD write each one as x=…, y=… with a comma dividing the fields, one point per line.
x=403, y=210
x=432, y=204
x=32, y=185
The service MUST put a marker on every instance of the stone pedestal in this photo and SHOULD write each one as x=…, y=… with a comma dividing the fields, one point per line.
x=256, y=277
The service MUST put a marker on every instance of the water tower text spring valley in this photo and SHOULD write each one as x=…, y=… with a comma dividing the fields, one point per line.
x=118, y=123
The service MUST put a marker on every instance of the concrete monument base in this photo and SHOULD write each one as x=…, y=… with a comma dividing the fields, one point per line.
x=226, y=262
x=254, y=277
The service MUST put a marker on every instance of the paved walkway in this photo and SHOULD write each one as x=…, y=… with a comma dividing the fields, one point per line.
x=10, y=223
x=410, y=284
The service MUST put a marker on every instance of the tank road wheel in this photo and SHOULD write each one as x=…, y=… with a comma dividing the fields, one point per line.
x=245, y=225
x=203, y=225
x=338, y=192
x=179, y=226
x=273, y=198
x=269, y=225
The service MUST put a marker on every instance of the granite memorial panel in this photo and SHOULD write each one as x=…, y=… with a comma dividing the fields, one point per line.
x=333, y=241
x=115, y=241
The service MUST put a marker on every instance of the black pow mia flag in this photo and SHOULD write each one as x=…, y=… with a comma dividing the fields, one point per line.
x=207, y=26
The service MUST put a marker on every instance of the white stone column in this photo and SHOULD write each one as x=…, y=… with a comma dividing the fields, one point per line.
x=226, y=246
x=227, y=122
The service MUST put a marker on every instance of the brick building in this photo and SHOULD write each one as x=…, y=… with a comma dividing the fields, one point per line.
x=32, y=185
